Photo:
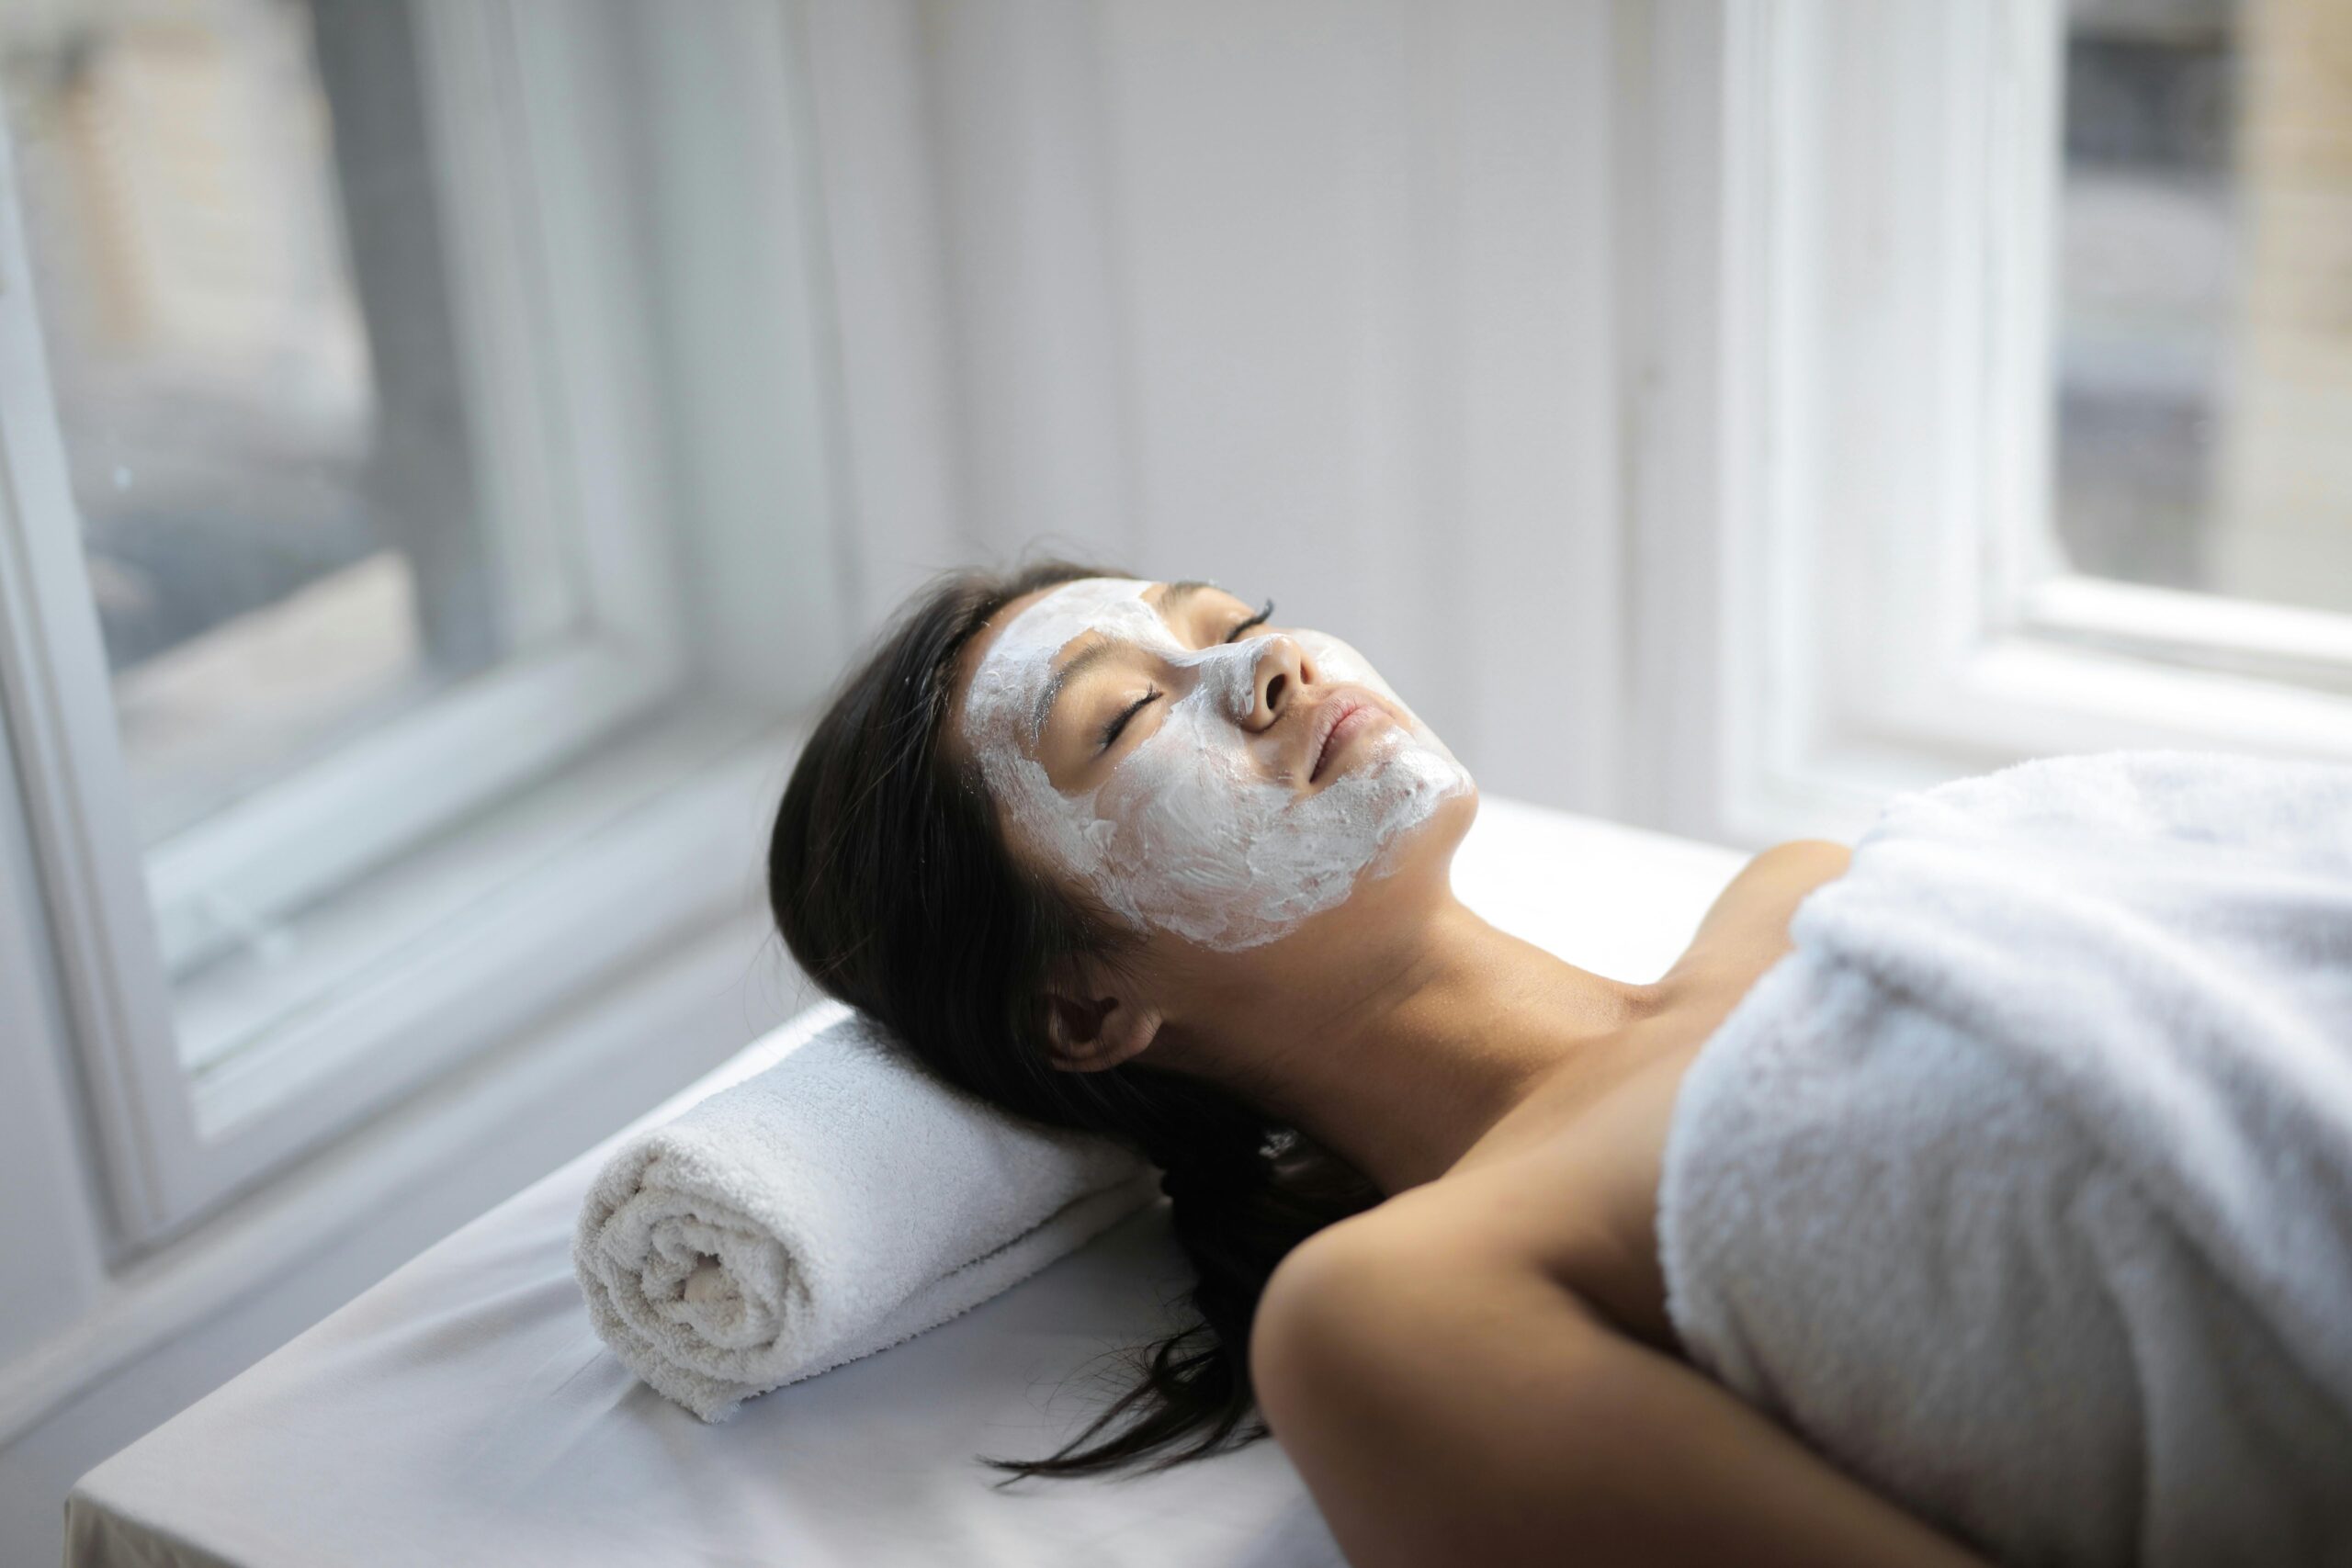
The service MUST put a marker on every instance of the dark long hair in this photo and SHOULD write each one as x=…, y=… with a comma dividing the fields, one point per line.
x=895, y=891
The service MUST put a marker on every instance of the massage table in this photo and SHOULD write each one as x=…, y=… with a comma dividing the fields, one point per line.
x=461, y=1411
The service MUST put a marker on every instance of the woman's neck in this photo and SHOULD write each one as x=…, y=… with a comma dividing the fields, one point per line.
x=1409, y=1058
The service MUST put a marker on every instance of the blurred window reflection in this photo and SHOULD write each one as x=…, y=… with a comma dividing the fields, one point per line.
x=240, y=270
x=2204, y=322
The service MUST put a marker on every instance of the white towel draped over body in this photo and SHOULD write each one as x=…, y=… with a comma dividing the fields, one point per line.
x=829, y=1207
x=2022, y=1187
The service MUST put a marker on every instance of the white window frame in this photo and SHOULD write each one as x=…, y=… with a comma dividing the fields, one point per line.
x=1883, y=365
x=648, y=838
x=540, y=432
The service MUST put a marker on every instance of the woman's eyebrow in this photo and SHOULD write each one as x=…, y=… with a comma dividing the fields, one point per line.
x=1101, y=649
x=1177, y=592
x=1171, y=599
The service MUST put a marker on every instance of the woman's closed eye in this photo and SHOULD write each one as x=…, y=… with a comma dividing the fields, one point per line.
x=1256, y=620
x=1119, y=721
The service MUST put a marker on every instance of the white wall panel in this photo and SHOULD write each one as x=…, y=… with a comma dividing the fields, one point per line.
x=1018, y=130
x=1310, y=298
x=902, y=453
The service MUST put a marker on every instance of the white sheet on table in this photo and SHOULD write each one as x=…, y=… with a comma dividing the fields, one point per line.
x=461, y=1411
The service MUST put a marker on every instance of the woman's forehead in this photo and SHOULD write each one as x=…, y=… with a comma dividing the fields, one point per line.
x=1120, y=607
x=1039, y=624
x=1016, y=646
x=1031, y=629
x=1015, y=653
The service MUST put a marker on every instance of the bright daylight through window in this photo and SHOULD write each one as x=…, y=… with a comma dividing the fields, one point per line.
x=321, y=469
x=2203, y=353
x=241, y=265
x=237, y=256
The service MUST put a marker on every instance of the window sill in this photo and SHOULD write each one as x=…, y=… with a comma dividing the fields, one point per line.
x=2013, y=698
x=465, y=942
x=565, y=1084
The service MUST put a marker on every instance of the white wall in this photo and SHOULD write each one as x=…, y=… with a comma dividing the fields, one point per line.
x=1314, y=298
x=1320, y=299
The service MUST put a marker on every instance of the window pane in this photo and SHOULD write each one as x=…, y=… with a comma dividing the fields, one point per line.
x=2204, y=324
x=240, y=266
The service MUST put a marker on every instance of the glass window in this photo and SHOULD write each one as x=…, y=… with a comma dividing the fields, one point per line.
x=365, y=725
x=2204, y=322
x=240, y=269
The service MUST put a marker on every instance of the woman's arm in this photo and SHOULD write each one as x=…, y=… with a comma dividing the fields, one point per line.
x=1448, y=1409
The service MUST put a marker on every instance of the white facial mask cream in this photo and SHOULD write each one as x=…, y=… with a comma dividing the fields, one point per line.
x=1189, y=834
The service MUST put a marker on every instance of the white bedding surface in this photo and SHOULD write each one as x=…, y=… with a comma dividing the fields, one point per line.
x=461, y=1411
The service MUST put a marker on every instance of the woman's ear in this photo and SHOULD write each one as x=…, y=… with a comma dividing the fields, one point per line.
x=1092, y=1024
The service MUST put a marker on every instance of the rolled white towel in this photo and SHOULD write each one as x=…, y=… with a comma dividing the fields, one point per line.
x=831, y=1206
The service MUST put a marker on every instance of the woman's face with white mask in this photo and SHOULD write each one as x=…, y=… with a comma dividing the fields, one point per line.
x=1199, y=772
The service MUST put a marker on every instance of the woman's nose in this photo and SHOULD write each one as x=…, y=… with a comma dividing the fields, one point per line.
x=1283, y=666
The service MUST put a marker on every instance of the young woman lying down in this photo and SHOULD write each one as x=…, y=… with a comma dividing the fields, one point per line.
x=1981, y=1192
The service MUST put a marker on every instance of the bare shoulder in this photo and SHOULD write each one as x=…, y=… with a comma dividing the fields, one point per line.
x=1379, y=1274
x=1803, y=860
x=1569, y=1209
x=1753, y=910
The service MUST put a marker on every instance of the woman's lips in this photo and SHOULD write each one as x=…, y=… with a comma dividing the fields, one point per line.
x=1347, y=717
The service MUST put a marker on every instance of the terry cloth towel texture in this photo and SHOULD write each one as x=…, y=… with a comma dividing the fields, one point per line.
x=831, y=1206
x=2021, y=1187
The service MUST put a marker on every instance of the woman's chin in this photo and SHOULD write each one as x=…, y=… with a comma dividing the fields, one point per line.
x=1447, y=825
x=1413, y=869
x=1445, y=820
